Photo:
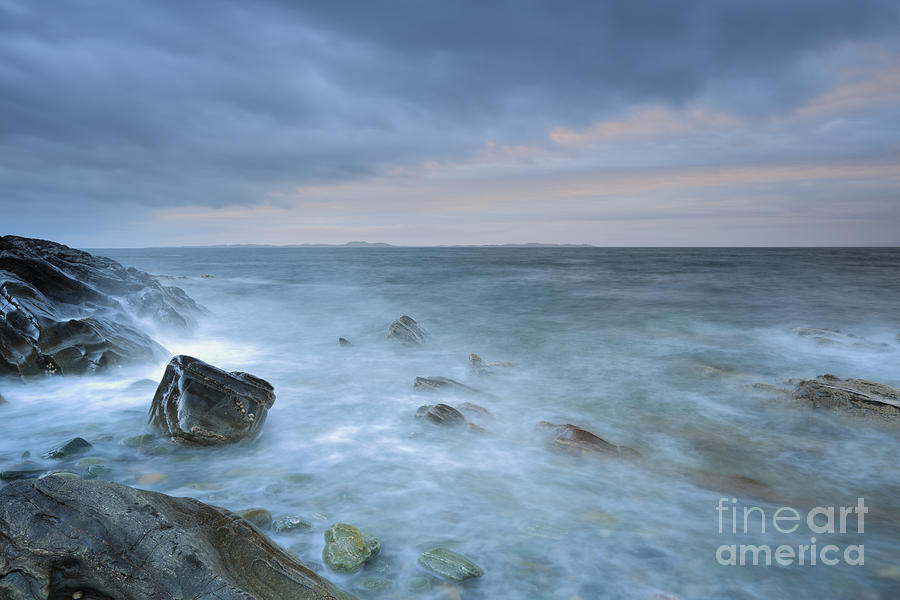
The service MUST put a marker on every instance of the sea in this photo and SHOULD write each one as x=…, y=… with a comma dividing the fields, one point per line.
x=685, y=356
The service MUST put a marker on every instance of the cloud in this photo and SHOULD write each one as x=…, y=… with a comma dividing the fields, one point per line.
x=222, y=105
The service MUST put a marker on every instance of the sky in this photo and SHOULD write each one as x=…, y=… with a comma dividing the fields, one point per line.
x=416, y=122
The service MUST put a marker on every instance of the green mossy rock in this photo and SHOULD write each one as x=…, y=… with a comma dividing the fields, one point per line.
x=137, y=441
x=258, y=516
x=347, y=548
x=449, y=564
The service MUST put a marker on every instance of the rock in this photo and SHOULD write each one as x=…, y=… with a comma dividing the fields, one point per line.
x=288, y=524
x=574, y=439
x=733, y=485
x=260, y=517
x=67, y=474
x=442, y=414
x=344, y=342
x=71, y=448
x=449, y=564
x=138, y=441
x=405, y=329
x=60, y=536
x=151, y=478
x=856, y=395
x=368, y=585
x=347, y=548
x=476, y=409
x=66, y=311
x=15, y=474
x=427, y=384
x=481, y=367
x=2, y=400
x=201, y=404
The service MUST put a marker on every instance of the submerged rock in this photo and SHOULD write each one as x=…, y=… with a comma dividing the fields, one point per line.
x=288, y=524
x=260, y=517
x=347, y=548
x=857, y=395
x=201, y=404
x=482, y=367
x=449, y=564
x=405, y=329
x=574, y=439
x=441, y=414
x=67, y=311
x=428, y=384
x=71, y=448
x=344, y=342
x=65, y=536
x=731, y=484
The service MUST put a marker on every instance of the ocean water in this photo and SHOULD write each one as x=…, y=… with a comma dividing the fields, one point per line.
x=658, y=350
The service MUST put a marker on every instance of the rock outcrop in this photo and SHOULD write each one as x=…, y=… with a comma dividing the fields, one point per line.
x=405, y=329
x=97, y=540
x=857, y=395
x=67, y=311
x=201, y=404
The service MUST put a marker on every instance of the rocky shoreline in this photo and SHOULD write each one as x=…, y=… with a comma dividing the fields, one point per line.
x=65, y=529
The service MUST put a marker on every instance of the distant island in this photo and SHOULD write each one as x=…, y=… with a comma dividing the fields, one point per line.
x=362, y=244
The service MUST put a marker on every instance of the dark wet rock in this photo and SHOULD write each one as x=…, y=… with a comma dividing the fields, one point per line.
x=66, y=311
x=441, y=414
x=574, y=439
x=70, y=448
x=344, y=342
x=260, y=517
x=449, y=564
x=856, y=395
x=60, y=536
x=201, y=404
x=405, y=329
x=288, y=524
x=18, y=473
x=347, y=548
x=429, y=384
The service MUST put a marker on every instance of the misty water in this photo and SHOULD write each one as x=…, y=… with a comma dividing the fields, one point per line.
x=654, y=349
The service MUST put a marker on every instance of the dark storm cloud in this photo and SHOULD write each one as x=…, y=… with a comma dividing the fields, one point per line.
x=220, y=102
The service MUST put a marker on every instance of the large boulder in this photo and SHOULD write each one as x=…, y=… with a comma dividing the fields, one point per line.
x=856, y=395
x=201, y=404
x=405, y=329
x=98, y=540
x=67, y=311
